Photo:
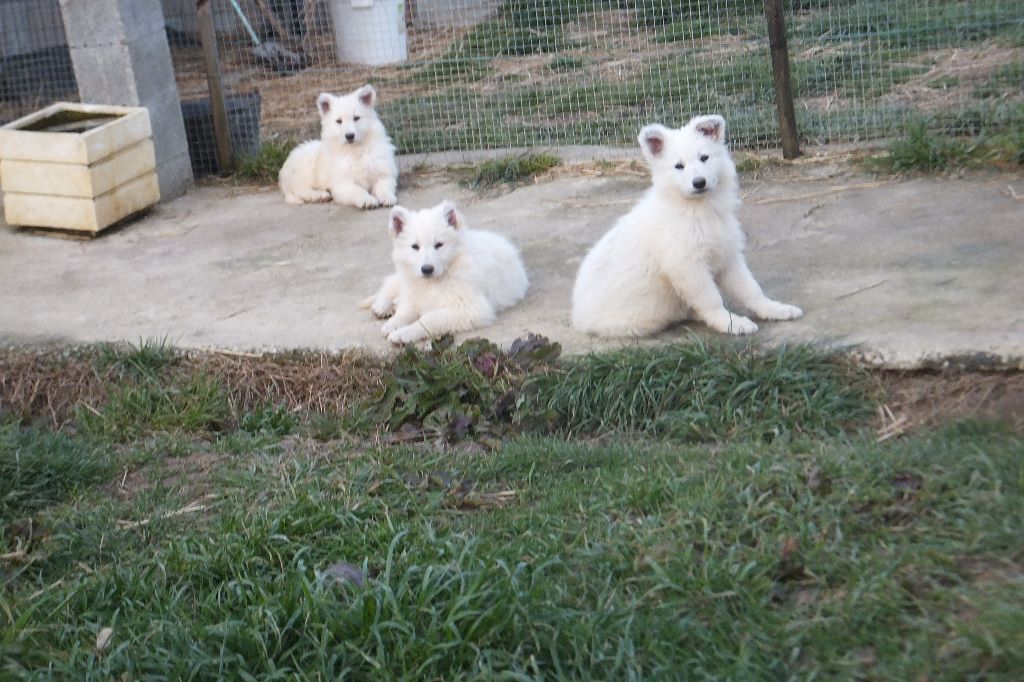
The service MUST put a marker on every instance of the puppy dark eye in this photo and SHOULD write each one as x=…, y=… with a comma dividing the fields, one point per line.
x=355, y=118
x=438, y=245
x=680, y=166
x=415, y=247
x=703, y=157
x=341, y=120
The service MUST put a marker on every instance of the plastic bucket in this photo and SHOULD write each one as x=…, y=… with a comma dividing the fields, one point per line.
x=369, y=31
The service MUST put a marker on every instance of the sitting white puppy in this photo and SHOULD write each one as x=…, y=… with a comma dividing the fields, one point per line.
x=352, y=163
x=448, y=278
x=664, y=261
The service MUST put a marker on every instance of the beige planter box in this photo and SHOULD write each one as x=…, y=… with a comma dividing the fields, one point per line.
x=77, y=166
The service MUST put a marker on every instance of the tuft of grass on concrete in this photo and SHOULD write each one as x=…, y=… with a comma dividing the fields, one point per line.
x=264, y=166
x=924, y=151
x=511, y=170
x=147, y=359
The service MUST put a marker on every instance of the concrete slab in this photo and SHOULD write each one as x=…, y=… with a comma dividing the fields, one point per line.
x=906, y=270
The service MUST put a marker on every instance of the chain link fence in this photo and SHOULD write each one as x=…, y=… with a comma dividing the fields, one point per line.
x=498, y=74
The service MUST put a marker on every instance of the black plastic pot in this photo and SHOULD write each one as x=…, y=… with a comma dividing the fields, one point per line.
x=243, y=122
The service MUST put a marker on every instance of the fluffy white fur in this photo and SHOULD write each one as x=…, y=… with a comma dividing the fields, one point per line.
x=448, y=278
x=353, y=162
x=665, y=260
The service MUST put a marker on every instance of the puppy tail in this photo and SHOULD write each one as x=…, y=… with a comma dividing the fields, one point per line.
x=367, y=302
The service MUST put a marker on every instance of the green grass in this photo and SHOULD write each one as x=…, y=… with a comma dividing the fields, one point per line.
x=264, y=166
x=511, y=170
x=697, y=391
x=449, y=70
x=454, y=392
x=271, y=419
x=911, y=22
x=147, y=359
x=566, y=63
x=39, y=468
x=923, y=151
x=190, y=405
x=1003, y=80
x=703, y=391
x=944, y=82
x=824, y=557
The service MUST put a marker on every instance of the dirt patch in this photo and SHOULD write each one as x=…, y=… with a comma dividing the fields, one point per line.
x=49, y=385
x=919, y=400
x=958, y=75
x=188, y=475
x=305, y=381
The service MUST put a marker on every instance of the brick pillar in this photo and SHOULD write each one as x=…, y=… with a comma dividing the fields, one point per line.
x=120, y=55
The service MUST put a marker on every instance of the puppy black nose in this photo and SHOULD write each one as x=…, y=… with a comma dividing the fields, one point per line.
x=699, y=183
x=350, y=136
x=427, y=269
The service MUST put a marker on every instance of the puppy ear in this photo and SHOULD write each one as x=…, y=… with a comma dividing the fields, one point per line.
x=323, y=102
x=451, y=214
x=712, y=127
x=652, y=140
x=367, y=95
x=397, y=221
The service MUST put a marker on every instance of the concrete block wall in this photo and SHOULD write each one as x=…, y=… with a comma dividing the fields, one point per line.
x=120, y=55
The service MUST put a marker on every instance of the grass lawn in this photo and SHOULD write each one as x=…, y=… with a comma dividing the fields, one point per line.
x=703, y=511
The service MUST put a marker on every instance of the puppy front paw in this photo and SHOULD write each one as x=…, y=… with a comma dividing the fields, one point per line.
x=731, y=323
x=387, y=199
x=383, y=308
x=779, y=311
x=389, y=326
x=404, y=335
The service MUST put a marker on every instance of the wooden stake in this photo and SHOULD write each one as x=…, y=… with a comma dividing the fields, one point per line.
x=221, y=131
x=781, y=79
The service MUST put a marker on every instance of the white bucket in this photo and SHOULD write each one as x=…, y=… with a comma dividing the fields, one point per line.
x=369, y=31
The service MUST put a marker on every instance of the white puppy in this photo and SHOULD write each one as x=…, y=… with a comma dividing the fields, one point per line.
x=352, y=163
x=664, y=260
x=448, y=278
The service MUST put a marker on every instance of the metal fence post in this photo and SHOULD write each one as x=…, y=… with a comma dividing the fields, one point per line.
x=780, y=78
x=208, y=38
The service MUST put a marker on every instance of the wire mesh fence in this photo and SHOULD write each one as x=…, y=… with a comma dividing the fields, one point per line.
x=35, y=66
x=494, y=74
x=863, y=68
x=486, y=74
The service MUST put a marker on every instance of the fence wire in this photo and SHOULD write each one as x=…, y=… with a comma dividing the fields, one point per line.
x=492, y=74
x=35, y=65
x=496, y=74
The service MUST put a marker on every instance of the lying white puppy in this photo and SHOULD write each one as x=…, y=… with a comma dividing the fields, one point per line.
x=448, y=278
x=352, y=163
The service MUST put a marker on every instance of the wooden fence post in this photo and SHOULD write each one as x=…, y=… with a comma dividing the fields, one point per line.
x=780, y=78
x=208, y=39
